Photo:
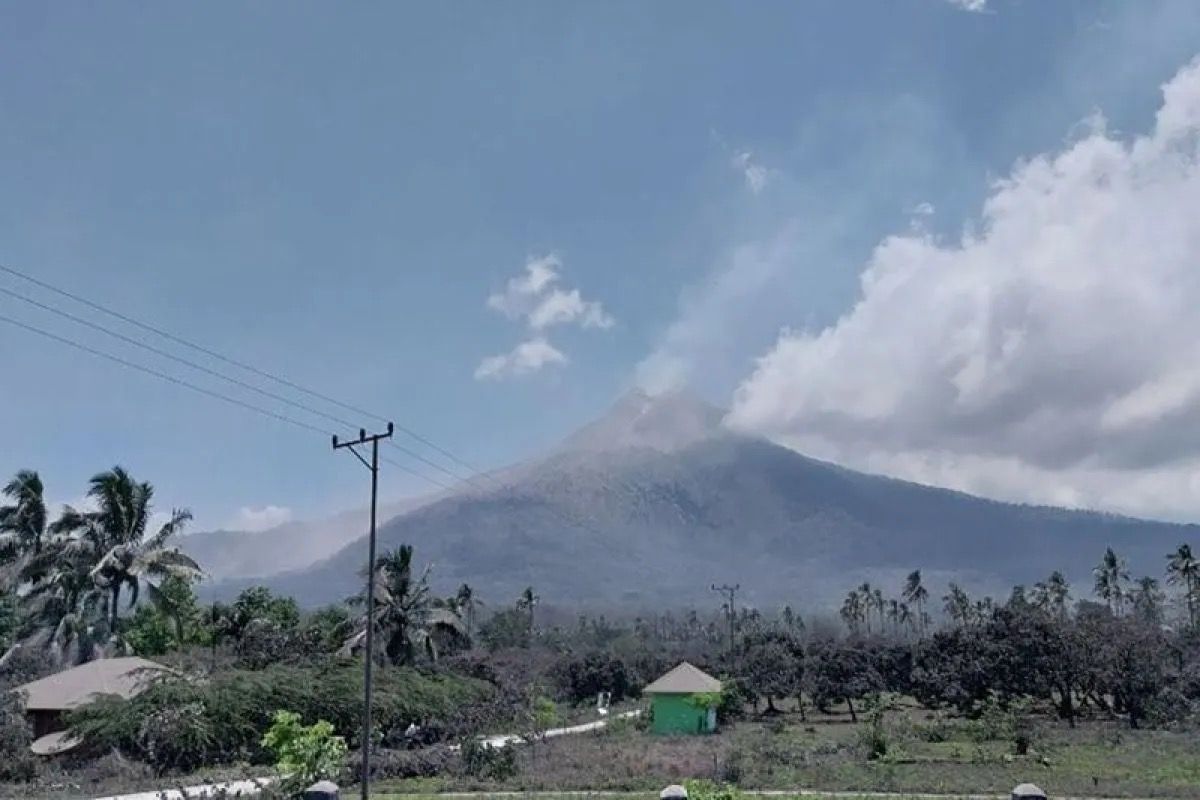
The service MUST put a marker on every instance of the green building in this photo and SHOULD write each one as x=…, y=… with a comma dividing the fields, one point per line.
x=680, y=701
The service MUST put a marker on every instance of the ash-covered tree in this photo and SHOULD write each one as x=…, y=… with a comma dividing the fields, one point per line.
x=1111, y=578
x=404, y=617
x=1183, y=570
x=772, y=666
x=841, y=672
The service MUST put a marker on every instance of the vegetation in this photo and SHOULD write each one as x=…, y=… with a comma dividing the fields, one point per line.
x=73, y=571
x=908, y=692
x=304, y=754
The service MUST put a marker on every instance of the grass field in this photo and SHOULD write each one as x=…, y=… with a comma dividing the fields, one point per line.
x=925, y=753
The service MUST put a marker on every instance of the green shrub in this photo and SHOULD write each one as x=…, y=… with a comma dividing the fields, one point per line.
x=304, y=754
x=480, y=760
x=1008, y=722
x=872, y=734
x=708, y=790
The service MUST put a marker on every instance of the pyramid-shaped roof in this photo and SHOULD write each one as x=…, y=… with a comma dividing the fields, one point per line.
x=684, y=679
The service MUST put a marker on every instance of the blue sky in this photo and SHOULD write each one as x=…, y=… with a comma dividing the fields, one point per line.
x=334, y=192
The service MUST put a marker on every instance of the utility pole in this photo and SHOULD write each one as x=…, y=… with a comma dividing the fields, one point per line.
x=373, y=466
x=730, y=595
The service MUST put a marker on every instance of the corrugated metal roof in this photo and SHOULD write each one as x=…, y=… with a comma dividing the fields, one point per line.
x=684, y=679
x=80, y=685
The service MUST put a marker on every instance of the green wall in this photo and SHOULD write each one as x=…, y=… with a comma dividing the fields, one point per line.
x=677, y=714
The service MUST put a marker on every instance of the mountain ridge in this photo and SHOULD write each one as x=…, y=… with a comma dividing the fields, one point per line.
x=607, y=519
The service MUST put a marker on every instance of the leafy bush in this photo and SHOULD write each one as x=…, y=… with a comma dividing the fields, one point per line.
x=480, y=760
x=1009, y=722
x=581, y=679
x=149, y=632
x=181, y=724
x=735, y=696
x=17, y=764
x=707, y=790
x=304, y=754
x=873, y=735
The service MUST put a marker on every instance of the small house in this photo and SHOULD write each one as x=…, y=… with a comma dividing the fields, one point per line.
x=47, y=700
x=682, y=702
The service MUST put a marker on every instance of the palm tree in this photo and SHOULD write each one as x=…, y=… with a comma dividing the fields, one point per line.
x=879, y=604
x=893, y=615
x=866, y=603
x=916, y=594
x=905, y=617
x=526, y=602
x=66, y=608
x=1148, y=600
x=404, y=615
x=115, y=535
x=1111, y=577
x=957, y=604
x=852, y=610
x=468, y=604
x=1184, y=568
x=1058, y=592
x=23, y=523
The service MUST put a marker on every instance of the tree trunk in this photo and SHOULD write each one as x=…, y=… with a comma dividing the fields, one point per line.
x=112, y=612
x=800, y=703
x=853, y=716
x=1066, y=708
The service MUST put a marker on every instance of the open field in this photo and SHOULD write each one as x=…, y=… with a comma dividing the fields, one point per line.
x=925, y=753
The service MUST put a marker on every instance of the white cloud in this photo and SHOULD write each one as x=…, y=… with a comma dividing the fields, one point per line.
x=535, y=298
x=755, y=175
x=976, y=6
x=1052, y=356
x=520, y=295
x=559, y=307
x=259, y=519
x=526, y=358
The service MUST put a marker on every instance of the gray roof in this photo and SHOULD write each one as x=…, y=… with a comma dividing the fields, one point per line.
x=125, y=677
x=684, y=679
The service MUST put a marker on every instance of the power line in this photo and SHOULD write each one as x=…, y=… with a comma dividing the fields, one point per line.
x=234, y=362
x=164, y=376
x=201, y=390
x=165, y=354
x=471, y=480
x=219, y=375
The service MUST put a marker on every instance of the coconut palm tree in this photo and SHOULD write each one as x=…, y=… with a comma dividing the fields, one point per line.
x=23, y=523
x=405, y=616
x=1183, y=568
x=67, y=612
x=527, y=602
x=467, y=604
x=1058, y=592
x=916, y=594
x=1111, y=577
x=851, y=611
x=1148, y=600
x=893, y=615
x=116, y=536
x=958, y=604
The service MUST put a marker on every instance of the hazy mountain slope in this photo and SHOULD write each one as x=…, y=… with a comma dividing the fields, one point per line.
x=604, y=521
x=292, y=545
